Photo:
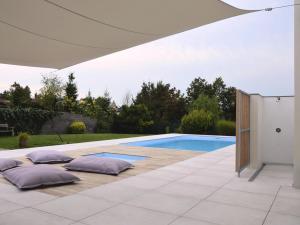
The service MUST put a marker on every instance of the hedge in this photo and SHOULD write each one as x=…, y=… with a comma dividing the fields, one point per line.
x=25, y=119
x=225, y=127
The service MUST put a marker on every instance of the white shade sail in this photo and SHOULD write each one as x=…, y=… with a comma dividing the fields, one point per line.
x=61, y=33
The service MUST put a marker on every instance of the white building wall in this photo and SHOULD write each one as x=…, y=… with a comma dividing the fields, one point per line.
x=267, y=145
x=297, y=96
x=278, y=147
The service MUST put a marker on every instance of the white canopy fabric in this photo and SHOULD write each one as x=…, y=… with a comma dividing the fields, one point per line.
x=61, y=33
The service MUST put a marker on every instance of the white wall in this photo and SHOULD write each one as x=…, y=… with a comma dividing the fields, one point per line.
x=297, y=96
x=278, y=147
x=268, y=146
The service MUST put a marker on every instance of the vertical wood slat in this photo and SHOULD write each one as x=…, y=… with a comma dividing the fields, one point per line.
x=242, y=130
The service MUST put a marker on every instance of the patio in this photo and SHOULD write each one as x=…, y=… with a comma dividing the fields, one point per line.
x=200, y=190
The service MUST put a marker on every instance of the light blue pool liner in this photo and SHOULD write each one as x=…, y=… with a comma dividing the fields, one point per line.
x=204, y=143
x=125, y=157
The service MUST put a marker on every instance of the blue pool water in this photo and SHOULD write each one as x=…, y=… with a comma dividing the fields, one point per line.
x=188, y=142
x=128, y=158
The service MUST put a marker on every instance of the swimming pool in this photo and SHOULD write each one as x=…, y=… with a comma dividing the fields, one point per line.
x=204, y=143
x=125, y=157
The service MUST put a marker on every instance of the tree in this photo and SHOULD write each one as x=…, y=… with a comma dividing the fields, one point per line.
x=127, y=100
x=70, y=99
x=71, y=88
x=104, y=113
x=218, y=87
x=51, y=92
x=100, y=108
x=208, y=104
x=5, y=95
x=166, y=105
x=19, y=96
x=224, y=95
x=228, y=103
x=199, y=86
x=87, y=106
x=133, y=119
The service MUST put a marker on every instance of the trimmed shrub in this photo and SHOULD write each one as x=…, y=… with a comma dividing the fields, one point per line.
x=77, y=127
x=225, y=127
x=25, y=119
x=23, y=140
x=197, y=122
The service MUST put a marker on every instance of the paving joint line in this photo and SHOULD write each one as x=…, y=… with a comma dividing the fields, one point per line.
x=268, y=212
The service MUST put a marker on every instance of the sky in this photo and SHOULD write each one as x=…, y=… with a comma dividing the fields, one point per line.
x=252, y=52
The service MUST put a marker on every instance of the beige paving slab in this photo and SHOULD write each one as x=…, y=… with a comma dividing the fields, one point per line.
x=221, y=167
x=29, y=216
x=163, y=174
x=195, y=164
x=289, y=192
x=185, y=170
x=143, y=182
x=238, y=198
x=187, y=190
x=205, y=180
x=252, y=187
x=277, y=174
x=279, y=168
x=75, y=207
x=286, y=206
x=223, y=214
x=114, y=192
x=281, y=181
x=172, y=204
x=24, y=198
x=129, y=215
x=6, y=206
x=213, y=173
x=188, y=221
x=281, y=219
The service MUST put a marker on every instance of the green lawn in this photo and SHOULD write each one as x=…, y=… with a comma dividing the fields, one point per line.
x=45, y=140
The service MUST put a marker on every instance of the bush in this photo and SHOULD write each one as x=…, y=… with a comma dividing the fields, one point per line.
x=77, y=127
x=225, y=127
x=197, y=122
x=25, y=119
x=23, y=140
x=208, y=104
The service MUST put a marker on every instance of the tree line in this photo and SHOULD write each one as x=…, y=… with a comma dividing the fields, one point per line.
x=157, y=107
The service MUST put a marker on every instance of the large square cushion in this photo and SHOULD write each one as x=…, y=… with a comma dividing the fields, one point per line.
x=33, y=176
x=48, y=156
x=98, y=165
x=6, y=164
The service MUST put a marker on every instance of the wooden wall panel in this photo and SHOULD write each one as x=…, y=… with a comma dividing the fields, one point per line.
x=242, y=130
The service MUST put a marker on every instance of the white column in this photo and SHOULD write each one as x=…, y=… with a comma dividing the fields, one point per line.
x=256, y=130
x=297, y=96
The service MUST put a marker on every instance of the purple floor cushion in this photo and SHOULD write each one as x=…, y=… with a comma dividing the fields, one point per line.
x=6, y=164
x=98, y=165
x=48, y=156
x=33, y=176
